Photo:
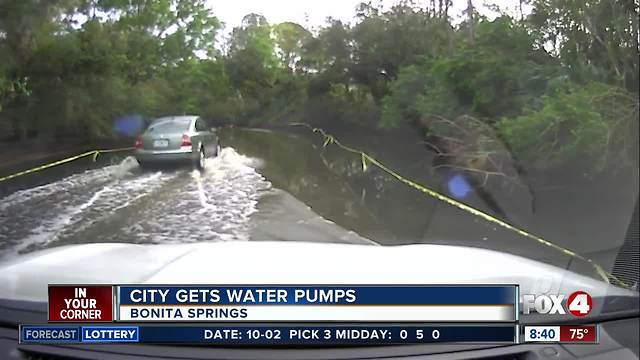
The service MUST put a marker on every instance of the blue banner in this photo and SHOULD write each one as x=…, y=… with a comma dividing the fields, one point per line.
x=273, y=335
x=43, y=334
x=318, y=295
x=104, y=334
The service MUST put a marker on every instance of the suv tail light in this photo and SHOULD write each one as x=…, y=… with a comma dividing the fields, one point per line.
x=138, y=144
x=186, y=140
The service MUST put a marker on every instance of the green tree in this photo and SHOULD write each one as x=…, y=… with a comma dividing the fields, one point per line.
x=386, y=41
x=163, y=32
x=251, y=61
x=497, y=75
x=22, y=25
x=61, y=74
x=589, y=126
x=290, y=39
x=597, y=39
x=327, y=57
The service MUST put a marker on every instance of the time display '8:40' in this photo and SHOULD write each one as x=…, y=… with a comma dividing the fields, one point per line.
x=542, y=334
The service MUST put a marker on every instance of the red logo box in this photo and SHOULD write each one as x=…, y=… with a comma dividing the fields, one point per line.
x=80, y=303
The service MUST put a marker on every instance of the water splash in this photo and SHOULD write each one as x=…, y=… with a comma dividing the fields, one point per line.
x=36, y=217
x=126, y=167
x=215, y=205
x=122, y=203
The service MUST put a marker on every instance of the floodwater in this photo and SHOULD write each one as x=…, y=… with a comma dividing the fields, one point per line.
x=268, y=185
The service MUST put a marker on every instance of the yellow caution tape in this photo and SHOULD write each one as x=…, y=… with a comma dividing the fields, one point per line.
x=366, y=158
x=95, y=154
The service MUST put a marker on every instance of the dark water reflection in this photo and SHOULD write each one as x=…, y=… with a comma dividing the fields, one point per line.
x=590, y=218
x=295, y=165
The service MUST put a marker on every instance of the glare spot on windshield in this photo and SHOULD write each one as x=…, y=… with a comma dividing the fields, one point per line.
x=458, y=186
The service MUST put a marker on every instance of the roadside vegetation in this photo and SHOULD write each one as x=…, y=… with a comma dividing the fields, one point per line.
x=553, y=86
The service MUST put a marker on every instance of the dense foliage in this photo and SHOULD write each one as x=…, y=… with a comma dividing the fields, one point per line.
x=558, y=85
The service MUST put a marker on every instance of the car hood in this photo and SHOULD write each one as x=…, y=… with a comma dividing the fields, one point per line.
x=26, y=277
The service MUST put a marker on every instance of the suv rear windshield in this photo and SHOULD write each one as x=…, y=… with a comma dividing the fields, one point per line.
x=170, y=125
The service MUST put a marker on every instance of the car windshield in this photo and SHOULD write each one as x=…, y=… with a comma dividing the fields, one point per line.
x=507, y=127
x=169, y=125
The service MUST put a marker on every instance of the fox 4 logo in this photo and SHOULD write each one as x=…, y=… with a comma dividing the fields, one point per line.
x=578, y=304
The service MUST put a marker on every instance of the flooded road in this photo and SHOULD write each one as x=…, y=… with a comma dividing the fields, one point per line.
x=276, y=186
x=123, y=203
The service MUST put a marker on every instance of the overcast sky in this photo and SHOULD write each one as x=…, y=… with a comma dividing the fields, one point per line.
x=312, y=13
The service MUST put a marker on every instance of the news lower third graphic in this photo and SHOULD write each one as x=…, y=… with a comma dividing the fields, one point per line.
x=302, y=315
x=316, y=303
x=231, y=303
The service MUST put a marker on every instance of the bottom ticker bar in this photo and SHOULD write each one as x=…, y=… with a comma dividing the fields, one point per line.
x=270, y=335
